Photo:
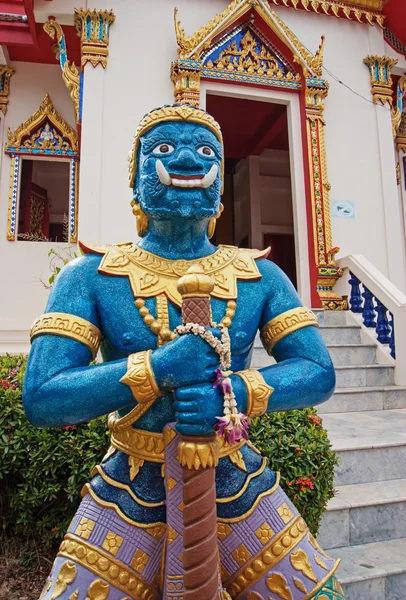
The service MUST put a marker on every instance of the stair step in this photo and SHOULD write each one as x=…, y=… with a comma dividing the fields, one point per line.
x=371, y=445
x=364, y=375
x=374, y=571
x=360, y=399
x=341, y=355
x=331, y=318
x=365, y=513
x=347, y=334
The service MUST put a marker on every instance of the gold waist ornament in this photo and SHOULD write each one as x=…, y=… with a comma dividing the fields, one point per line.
x=150, y=446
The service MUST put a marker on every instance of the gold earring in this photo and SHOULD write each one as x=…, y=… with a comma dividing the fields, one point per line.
x=213, y=221
x=142, y=219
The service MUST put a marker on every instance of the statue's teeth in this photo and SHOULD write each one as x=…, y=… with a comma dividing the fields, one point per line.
x=163, y=174
x=209, y=177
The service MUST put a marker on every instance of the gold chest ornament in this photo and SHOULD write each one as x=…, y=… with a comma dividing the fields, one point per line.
x=153, y=276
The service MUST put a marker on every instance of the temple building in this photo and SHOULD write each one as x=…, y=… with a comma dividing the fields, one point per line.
x=309, y=95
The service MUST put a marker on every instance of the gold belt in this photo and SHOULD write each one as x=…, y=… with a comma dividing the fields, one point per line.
x=145, y=445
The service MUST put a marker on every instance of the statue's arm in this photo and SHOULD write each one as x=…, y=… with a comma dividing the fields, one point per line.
x=60, y=388
x=304, y=375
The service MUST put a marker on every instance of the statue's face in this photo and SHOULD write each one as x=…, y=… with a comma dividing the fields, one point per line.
x=179, y=172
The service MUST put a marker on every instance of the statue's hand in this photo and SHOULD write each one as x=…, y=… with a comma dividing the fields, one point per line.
x=185, y=361
x=198, y=406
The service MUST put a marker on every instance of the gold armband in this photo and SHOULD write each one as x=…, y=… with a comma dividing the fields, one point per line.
x=258, y=391
x=69, y=326
x=140, y=377
x=286, y=323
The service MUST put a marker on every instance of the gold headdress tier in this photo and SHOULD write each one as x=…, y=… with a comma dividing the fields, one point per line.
x=174, y=112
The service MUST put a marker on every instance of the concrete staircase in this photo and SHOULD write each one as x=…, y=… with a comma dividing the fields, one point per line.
x=365, y=524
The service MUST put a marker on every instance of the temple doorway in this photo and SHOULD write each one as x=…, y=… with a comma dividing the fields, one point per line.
x=258, y=210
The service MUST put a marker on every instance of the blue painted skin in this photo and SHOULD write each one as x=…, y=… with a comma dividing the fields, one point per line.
x=61, y=388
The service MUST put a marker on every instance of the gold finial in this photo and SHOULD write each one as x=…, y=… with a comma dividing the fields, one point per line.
x=195, y=283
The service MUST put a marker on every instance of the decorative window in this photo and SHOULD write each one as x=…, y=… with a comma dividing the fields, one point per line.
x=43, y=199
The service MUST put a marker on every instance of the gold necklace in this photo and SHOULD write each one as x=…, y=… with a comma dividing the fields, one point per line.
x=160, y=325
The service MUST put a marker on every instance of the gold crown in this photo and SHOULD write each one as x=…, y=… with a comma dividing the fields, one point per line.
x=181, y=112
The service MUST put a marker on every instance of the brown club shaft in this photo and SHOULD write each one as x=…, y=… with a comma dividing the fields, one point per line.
x=200, y=558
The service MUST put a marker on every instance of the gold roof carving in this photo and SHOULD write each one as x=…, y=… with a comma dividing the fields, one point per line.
x=65, y=137
x=367, y=11
x=192, y=47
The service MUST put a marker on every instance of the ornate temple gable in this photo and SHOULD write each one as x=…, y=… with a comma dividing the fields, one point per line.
x=246, y=55
x=45, y=132
x=363, y=11
x=192, y=48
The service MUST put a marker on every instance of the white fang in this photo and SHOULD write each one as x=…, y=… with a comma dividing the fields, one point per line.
x=209, y=177
x=163, y=174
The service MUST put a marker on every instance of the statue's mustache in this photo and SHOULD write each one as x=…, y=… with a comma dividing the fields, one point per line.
x=203, y=182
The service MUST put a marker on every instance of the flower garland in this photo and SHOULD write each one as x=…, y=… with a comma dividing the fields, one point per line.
x=233, y=425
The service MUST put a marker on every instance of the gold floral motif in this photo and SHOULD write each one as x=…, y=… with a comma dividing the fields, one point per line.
x=5, y=75
x=285, y=324
x=258, y=392
x=300, y=585
x=70, y=73
x=135, y=465
x=277, y=583
x=320, y=562
x=157, y=531
x=381, y=80
x=223, y=531
x=171, y=483
x=66, y=576
x=250, y=61
x=112, y=542
x=300, y=561
x=74, y=596
x=139, y=561
x=103, y=565
x=272, y=554
x=254, y=596
x=238, y=460
x=285, y=513
x=140, y=377
x=92, y=26
x=264, y=533
x=98, y=590
x=320, y=586
x=70, y=326
x=85, y=528
x=172, y=534
x=241, y=555
x=227, y=265
x=45, y=112
x=316, y=545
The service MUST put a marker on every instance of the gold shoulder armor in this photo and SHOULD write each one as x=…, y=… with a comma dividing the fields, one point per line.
x=69, y=326
x=286, y=323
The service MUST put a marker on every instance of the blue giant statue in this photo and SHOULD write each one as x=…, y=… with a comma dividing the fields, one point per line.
x=159, y=383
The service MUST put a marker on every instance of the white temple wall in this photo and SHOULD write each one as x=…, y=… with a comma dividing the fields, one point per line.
x=361, y=163
x=23, y=264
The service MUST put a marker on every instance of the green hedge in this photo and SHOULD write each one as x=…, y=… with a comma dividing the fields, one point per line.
x=43, y=470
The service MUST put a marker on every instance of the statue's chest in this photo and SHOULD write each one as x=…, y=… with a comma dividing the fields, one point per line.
x=130, y=324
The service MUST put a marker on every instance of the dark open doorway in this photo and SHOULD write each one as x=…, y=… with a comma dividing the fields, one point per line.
x=257, y=189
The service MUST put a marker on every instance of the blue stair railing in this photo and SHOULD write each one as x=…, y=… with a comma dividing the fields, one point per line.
x=374, y=313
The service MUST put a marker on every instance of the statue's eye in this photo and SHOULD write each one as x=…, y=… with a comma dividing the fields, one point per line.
x=163, y=149
x=205, y=151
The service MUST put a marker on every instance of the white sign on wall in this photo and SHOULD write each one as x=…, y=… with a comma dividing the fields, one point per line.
x=343, y=210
